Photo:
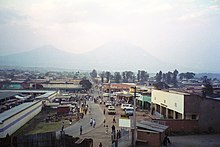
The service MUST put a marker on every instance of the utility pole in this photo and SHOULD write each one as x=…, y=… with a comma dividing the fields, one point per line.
x=134, y=120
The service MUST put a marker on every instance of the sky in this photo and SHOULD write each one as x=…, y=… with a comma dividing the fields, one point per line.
x=181, y=31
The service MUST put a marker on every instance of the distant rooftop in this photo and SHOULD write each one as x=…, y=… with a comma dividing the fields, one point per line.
x=4, y=95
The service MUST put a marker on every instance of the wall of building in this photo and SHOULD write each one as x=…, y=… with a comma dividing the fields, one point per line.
x=153, y=139
x=192, y=106
x=179, y=125
x=170, y=100
x=209, y=119
x=12, y=124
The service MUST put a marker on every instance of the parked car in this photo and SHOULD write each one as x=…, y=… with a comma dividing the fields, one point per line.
x=123, y=106
x=129, y=111
x=111, y=110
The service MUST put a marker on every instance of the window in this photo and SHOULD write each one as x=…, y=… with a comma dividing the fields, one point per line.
x=175, y=104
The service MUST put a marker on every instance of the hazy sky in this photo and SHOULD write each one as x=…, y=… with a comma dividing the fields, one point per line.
x=174, y=30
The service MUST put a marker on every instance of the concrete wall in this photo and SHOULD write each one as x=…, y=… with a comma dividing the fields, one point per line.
x=209, y=119
x=153, y=139
x=179, y=125
x=192, y=104
x=15, y=122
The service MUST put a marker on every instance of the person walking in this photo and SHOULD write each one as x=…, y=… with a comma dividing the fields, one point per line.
x=62, y=128
x=117, y=134
x=94, y=123
x=106, y=130
x=80, y=130
x=114, y=121
x=100, y=144
x=113, y=131
x=91, y=121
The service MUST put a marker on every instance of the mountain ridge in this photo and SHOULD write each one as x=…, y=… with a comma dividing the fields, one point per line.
x=110, y=56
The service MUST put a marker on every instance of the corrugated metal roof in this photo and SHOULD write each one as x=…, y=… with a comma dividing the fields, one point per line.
x=4, y=95
x=147, y=125
x=7, y=114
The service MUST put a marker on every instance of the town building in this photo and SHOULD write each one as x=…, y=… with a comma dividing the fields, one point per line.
x=186, y=110
x=20, y=106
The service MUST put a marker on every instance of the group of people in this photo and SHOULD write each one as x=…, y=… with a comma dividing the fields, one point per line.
x=115, y=135
x=92, y=122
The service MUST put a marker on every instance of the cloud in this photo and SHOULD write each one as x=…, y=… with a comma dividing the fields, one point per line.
x=10, y=15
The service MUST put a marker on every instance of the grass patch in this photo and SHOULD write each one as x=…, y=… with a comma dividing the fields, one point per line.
x=46, y=127
x=38, y=124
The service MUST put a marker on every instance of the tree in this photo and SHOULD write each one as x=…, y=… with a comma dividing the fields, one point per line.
x=174, y=77
x=124, y=77
x=189, y=75
x=138, y=75
x=107, y=76
x=159, y=76
x=207, y=89
x=86, y=84
x=102, y=75
x=142, y=76
x=181, y=76
x=168, y=77
x=117, y=77
x=93, y=74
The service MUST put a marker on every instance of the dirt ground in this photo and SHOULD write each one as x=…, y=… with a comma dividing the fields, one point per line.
x=212, y=140
x=99, y=133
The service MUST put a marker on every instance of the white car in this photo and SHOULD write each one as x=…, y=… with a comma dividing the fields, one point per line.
x=129, y=111
x=123, y=106
x=111, y=110
x=108, y=103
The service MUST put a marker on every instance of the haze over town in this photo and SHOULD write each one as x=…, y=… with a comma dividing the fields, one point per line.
x=183, y=33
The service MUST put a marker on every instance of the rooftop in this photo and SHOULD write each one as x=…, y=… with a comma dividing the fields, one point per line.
x=151, y=126
x=7, y=114
x=4, y=95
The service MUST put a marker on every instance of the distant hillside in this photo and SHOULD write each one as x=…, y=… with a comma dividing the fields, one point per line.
x=111, y=56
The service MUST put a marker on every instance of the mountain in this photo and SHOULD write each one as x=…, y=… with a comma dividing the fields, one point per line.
x=46, y=56
x=121, y=56
x=116, y=56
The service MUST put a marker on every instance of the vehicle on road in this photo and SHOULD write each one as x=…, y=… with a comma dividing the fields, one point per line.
x=111, y=110
x=123, y=106
x=108, y=103
x=129, y=111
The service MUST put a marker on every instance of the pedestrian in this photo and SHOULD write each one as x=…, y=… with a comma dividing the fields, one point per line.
x=106, y=131
x=80, y=130
x=91, y=121
x=104, y=122
x=114, y=121
x=70, y=121
x=100, y=144
x=113, y=128
x=62, y=128
x=166, y=140
x=113, y=131
x=86, y=111
x=94, y=123
x=119, y=134
x=104, y=111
